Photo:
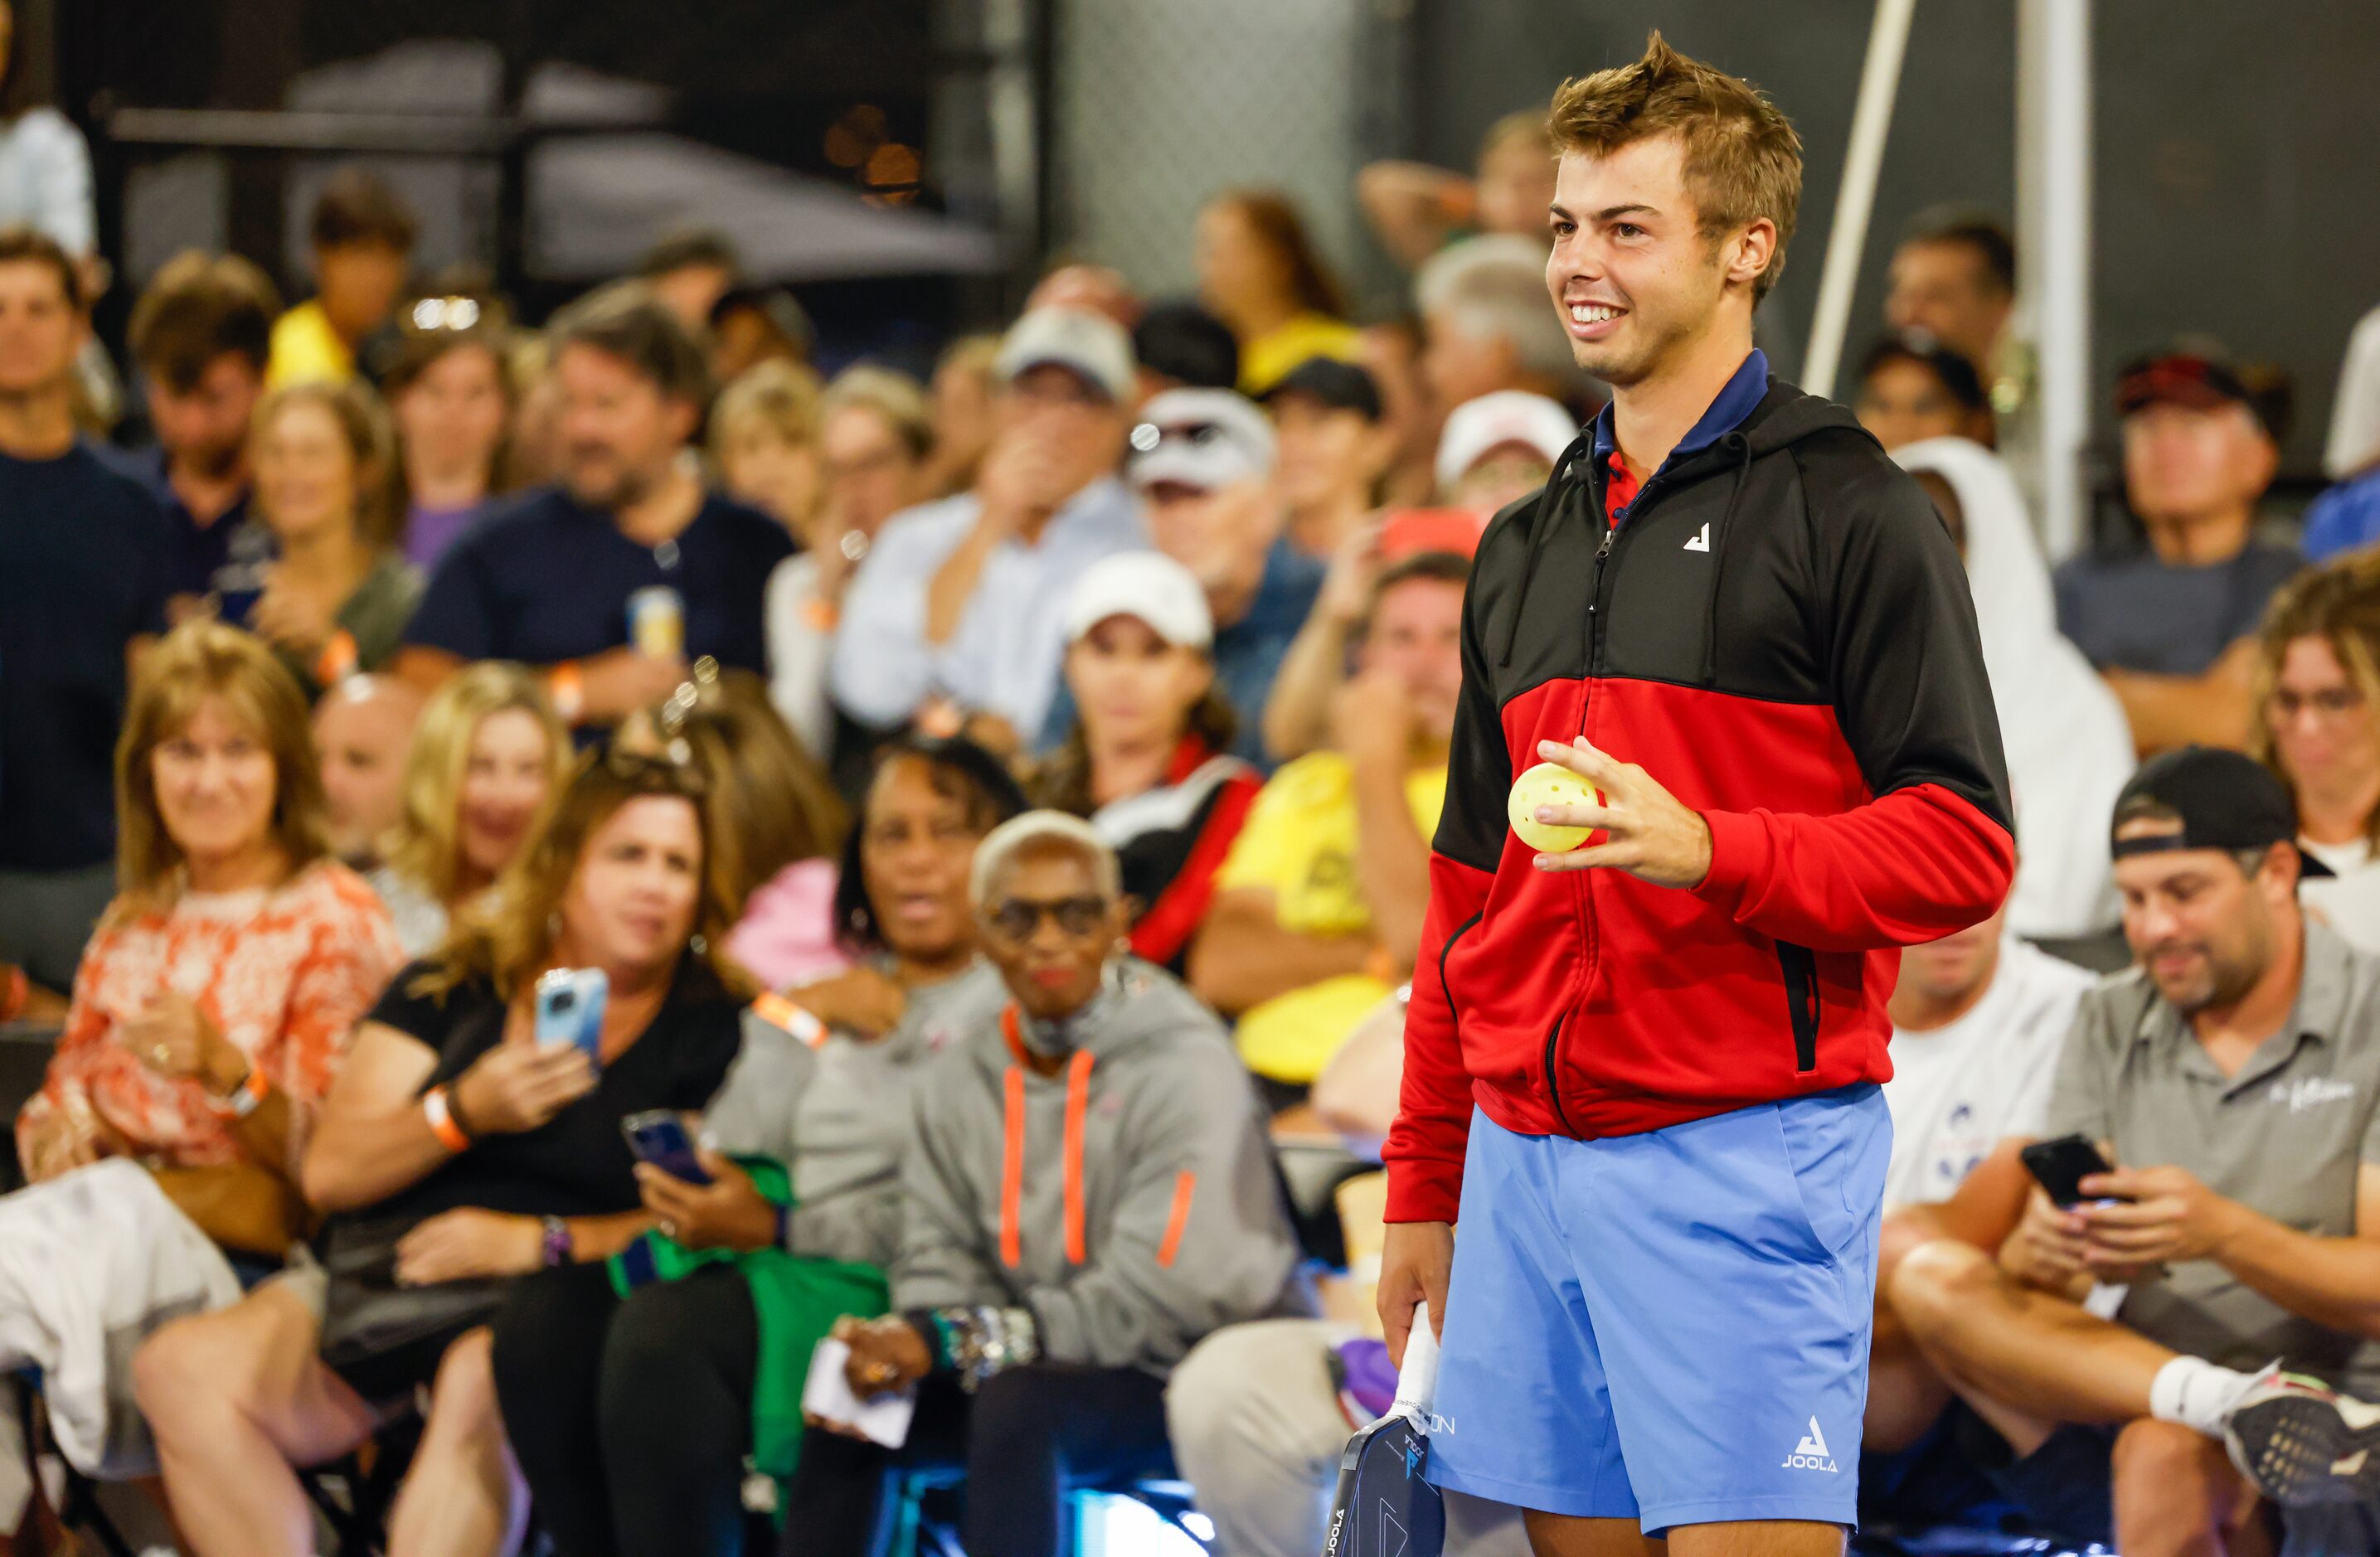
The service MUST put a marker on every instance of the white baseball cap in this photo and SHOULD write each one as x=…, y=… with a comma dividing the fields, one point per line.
x=1091, y=344
x=1147, y=585
x=1478, y=427
x=1204, y=439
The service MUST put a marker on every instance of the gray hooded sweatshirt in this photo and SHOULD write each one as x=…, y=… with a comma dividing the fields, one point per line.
x=1129, y=1201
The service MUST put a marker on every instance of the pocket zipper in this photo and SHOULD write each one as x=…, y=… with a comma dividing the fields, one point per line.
x=1798, y=965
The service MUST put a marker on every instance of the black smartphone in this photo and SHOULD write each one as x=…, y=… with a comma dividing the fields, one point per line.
x=2060, y=1165
x=658, y=1135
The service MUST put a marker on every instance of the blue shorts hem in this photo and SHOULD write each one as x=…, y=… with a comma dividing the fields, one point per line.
x=1569, y=1501
x=1662, y=1518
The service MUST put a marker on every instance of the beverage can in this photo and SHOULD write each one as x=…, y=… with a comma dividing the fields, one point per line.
x=657, y=623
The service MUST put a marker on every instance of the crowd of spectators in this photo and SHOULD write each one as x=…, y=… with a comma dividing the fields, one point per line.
x=1001, y=807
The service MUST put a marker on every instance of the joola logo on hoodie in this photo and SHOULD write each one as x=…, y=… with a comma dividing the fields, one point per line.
x=1811, y=1453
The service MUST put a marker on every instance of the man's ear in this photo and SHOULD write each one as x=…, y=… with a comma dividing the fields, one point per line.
x=1754, y=249
x=685, y=419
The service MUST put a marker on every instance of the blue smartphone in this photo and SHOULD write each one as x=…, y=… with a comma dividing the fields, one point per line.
x=570, y=1010
x=658, y=1135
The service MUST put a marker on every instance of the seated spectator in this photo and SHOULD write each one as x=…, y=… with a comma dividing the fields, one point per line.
x=1178, y=345
x=1486, y=325
x=1953, y=280
x=1910, y=389
x=2171, y=627
x=2347, y=517
x=1500, y=448
x=1038, y=1335
x=963, y=386
x=553, y=578
x=451, y=396
x=764, y=433
x=486, y=757
x=751, y=325
x=362, y=726
x=960, y=603
x=2232, y=1078
x=2318, y=727
x=1260, y=274
x=361, y=246
x=635, y=1419
x=1098, y=289
x=1417, y=210
x=82, y=588
x=335, y=597
x=875, y=435
x=688, y=272
x=2067, y=745
x=210, y=1014
x=1392, y=354
x=1318, y=913
x=455, y=1154
x=1333, y=444
x=202, y=335
x=1148, y=760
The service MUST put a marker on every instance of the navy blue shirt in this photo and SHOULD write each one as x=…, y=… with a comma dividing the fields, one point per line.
x=1726, y=411
x=224, y=558
x=82, y=572
x=543, y=579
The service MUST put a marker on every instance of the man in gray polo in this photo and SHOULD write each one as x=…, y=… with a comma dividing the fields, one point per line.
x=2234, y=1076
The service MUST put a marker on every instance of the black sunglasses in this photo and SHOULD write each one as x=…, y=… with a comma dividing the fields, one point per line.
x=1015, y=918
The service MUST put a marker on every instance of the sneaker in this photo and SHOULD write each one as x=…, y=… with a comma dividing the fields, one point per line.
x=2302, y=1442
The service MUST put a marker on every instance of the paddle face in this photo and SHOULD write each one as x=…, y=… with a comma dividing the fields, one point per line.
x=1383, y=1508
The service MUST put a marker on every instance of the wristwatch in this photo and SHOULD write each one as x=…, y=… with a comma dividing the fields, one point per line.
x=557, y=1241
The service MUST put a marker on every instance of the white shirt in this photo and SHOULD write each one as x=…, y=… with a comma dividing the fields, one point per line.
x=2348, y=901
x=1959, y=1091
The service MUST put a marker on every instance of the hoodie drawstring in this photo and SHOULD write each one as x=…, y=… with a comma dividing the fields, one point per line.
x=1718, y=552
x=1541, y=526
x=1011, y=1174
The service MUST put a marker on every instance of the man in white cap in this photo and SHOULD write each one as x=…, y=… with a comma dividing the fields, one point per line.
x=1501, y=447
x=959, y=609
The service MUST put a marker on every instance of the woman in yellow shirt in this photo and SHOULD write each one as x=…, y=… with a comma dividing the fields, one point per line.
x=1259, y=272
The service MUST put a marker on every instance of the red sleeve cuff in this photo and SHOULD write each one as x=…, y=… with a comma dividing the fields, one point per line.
x=1739, y=853
x=1420, y=1192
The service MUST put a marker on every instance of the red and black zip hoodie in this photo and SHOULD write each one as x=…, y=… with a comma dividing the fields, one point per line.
x=1777, y=630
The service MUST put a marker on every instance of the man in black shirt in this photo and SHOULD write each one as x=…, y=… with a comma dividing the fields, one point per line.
x=83, y=550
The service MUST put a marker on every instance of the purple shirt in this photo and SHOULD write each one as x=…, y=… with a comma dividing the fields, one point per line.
x=429, y=531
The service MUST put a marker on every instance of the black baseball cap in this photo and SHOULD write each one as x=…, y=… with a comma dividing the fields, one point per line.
x=1342, y=386
x=2203, y=380
x=2226, y=800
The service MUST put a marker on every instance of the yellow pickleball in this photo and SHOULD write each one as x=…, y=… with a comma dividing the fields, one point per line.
x=1549, y=783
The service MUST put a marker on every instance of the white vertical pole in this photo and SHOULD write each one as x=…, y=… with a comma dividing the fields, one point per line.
x=1887, y=40
x=2052, y=230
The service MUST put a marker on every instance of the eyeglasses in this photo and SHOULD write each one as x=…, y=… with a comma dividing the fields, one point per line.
x=2330, y=703
x=432, y=314
x=1017, y=918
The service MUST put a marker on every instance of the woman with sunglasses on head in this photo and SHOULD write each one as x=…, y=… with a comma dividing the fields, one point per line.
x=635, y=1420
x=2318, y=727
x=451, y=394
x=1090, y=1192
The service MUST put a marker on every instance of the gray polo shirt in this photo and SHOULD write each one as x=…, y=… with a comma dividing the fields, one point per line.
x=2285, y=1138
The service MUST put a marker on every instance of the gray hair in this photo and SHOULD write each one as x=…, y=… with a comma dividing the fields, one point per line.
x=1012, y=838
x=1495, y=286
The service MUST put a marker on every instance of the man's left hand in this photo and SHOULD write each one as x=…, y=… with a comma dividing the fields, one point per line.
x=2160, y=1216
x=1647, y=832
x=1372, y=717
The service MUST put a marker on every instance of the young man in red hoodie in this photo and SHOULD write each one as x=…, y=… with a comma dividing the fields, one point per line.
x=1646, y=1071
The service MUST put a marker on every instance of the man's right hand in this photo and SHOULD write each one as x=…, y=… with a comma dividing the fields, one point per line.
x=515, y=1087
x=619, y=681
x=1415, y=1261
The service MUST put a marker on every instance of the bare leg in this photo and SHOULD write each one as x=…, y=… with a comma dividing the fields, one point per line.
x=1905, y=1395
x=1561, y=1535
x=1758, y=1538
x=2177, y=1495
x=464, y=1496
x=236, y=1398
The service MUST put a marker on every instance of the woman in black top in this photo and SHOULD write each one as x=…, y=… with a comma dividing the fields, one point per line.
x=496, y=1154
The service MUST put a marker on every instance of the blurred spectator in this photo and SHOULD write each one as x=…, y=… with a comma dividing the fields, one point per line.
x=1146, y=759
x=553, y=578
x=2171, y=626
x=636, y=1421
x=1953, y=279
x=756, y=324
x=451, y=396
x=1415, y=210
x=44, y=164
x=1909, y=391
x=1261, y=274
x=362, y=247
x=1500, y=448
x=1333, y=444
x=764, y=436
x=201, y=333
x=337, y=597
x=875, y=434
x=487, y=755
x=83, y=554
x=362, y=726
x=1094, y=288
x=1053, y=1324
x=1317, y=915
x=458, y=1152
x=1487, y=325
x=535, y=456
x=2347, y=517
x=964, y=385
x=1180, y=346
x=1391, y=353
x=688, y=272
x=960, y=605
x=2068, y=748
x=2318, y=727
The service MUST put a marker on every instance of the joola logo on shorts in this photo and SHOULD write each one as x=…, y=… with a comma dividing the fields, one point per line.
x=1811, y=1453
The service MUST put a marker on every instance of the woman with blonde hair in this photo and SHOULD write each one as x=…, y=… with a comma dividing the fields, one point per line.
x=486, y=755
x=764, y=432
x=2317, y=724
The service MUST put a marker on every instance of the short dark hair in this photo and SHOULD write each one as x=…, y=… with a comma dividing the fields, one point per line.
x=1438, y=567
x=356, y=207
x=1184, y=341
x=623, y=322
x=678, y=252
x=199, y=307
x=1957, y=375
x=1978, y=230
x=21, y=243
x=962, y=770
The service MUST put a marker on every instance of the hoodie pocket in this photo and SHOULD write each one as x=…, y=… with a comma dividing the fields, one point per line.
x=1799, y=967
x=1454, y=1011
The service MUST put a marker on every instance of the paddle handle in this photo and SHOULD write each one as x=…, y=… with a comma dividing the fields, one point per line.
x=1417, y=1379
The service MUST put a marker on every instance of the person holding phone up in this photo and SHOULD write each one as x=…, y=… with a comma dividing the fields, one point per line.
x=2218, y=1284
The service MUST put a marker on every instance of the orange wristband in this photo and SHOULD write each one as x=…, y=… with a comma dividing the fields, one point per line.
x=337, y=661
x=441, y=1114
x=566, y=684
x=1381, y=965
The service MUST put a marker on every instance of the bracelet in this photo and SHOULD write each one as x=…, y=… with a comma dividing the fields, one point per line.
x=566, y=684
x=779, y=1010
x=558, y=1246
x=438, y=1111
x=784, y=1226
x=246, y=1098
x=337, y=661
x=1381, y=965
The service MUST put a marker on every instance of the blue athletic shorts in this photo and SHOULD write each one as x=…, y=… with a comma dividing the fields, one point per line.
x=1670, y=1327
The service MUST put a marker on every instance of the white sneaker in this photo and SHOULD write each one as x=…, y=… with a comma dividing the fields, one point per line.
x=2302, y=1442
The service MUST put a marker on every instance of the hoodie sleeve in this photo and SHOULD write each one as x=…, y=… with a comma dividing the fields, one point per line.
x=1931, y=853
